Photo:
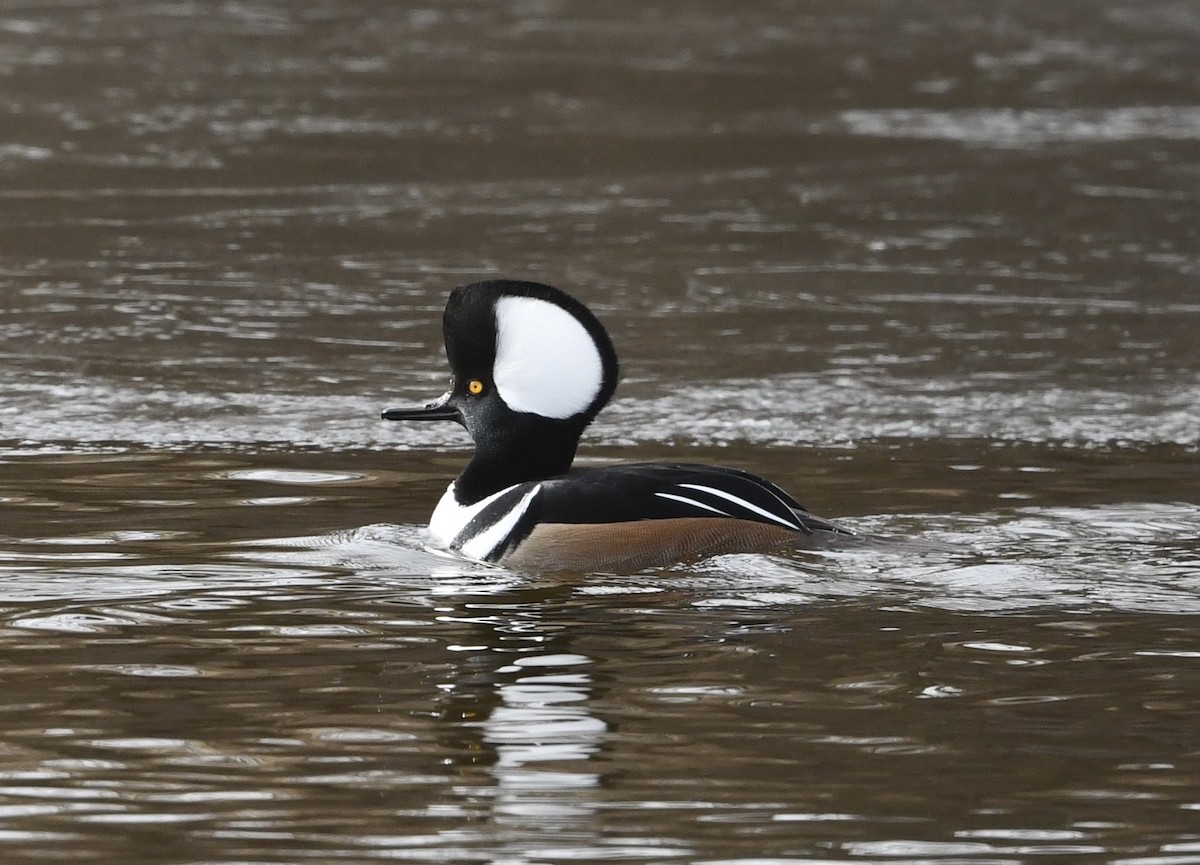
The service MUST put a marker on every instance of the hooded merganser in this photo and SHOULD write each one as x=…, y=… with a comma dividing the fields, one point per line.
x=531, y=368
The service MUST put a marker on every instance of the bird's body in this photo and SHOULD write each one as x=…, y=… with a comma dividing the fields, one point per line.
x=531, y=368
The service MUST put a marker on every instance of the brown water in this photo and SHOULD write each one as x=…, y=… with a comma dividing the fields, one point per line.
x=931, y=266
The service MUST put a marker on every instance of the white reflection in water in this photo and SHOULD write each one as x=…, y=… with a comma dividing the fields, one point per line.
x=542, y=730
x=1029, y=128
x=67, y=581
x=862, y=397
x=543, y=718
x=290, y=476
x=868, y=402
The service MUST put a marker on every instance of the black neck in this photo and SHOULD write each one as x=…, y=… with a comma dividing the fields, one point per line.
x=535, y=450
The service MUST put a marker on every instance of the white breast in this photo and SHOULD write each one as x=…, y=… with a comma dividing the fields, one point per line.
x=449, y=521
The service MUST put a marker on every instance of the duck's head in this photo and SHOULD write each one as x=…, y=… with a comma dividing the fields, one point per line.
x=531, y=367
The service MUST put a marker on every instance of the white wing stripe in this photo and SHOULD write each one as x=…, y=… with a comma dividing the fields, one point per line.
x=740, y=502
x=685, y=500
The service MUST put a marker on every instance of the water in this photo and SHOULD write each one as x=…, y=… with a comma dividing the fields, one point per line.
x=930, y=267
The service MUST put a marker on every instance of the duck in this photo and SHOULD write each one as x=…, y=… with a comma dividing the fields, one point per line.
x=531, y=368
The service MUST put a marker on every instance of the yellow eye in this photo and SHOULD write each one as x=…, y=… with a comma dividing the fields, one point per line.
x=475, y=387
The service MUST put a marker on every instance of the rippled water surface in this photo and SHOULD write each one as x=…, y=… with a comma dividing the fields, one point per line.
x=931, y=266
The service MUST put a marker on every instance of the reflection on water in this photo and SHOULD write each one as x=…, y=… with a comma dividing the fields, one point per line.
x=279, y=690
x=930, y=267
x=379, y=713
x=1032, y=128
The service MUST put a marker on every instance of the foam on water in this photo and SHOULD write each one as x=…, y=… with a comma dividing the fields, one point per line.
x=1131, y=558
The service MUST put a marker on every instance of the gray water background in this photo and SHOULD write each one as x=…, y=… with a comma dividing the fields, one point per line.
x=930, y=266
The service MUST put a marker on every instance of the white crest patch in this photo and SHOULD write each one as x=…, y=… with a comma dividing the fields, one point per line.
x=546, y=361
